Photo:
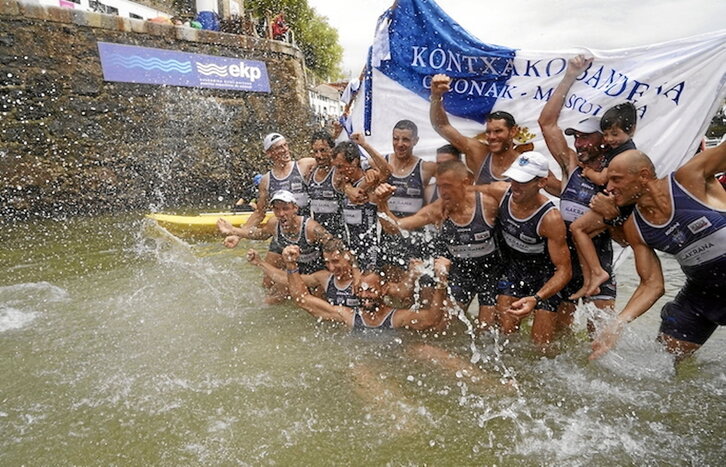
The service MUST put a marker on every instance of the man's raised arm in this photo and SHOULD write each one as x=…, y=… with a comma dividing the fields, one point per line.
x=552, y=133
x=703, y=168
x=474, y=150
x=380, y=163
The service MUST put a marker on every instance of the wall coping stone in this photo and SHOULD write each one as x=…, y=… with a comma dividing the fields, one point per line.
x=32, y=9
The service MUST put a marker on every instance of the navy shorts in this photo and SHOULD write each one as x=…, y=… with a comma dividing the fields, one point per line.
x=478, y=278
x=695, y=313
x=397, y=250
x=519, y=281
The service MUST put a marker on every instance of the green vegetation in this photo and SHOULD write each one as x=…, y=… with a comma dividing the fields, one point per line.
x=316, y=38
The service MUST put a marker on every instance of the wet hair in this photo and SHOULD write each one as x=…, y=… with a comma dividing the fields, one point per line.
x=349, y=150
x=333, y=245
x=323, y=136
x=370, y=272
x=407, y=125
x=623, y=116
x=449, y=149
x=502, y=115
x=457, y=167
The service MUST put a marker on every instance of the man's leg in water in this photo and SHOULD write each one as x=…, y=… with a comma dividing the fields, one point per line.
x=509, y=323
x=543, y=327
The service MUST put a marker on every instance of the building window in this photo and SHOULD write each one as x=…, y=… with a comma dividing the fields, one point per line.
x=102, y=8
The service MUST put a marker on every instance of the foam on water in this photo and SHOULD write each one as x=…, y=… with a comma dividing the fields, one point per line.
x=11, y=318
x=166, y=356
x=19, y=303
x=32, y=292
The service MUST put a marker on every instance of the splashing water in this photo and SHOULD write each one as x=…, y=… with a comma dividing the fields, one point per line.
x=145, y=349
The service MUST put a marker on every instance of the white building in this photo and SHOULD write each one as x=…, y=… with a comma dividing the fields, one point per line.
x=123, y=8
x=325, y=102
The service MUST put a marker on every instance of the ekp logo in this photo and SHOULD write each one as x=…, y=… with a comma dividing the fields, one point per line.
x=240, y=70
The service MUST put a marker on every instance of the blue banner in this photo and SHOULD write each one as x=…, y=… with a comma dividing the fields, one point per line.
x=676, y=86
x=131, y=64
x=428, y=41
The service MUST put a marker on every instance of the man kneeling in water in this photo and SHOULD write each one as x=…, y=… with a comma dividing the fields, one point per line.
x=336, y=281
x=372, y=312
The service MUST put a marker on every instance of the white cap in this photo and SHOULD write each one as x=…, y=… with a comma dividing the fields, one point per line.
x=284, y=196
x=527, y=166
x=585, y=126
x=272, y=139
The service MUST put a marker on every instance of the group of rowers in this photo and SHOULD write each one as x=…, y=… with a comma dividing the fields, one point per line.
x=395, y=241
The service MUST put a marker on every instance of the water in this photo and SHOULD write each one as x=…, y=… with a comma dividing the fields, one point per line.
x=120, y=344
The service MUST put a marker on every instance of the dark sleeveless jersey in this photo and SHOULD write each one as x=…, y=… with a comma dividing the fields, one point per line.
x=575, y=198
x=523, y=242
x=295, y=183
x=325, y=203
x=359, y=323
x=361, y=222
x=575, y=202
x=485, y=174
x=471, y=241
x=311, y=258
x=409, y=195
x=338, y=296
x=695, y=235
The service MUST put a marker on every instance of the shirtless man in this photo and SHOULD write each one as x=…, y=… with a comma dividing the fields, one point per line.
x=466, y=220
x=683, y=214
x=576, y=189
x=409, y=175
x=372, y=312
x=285, y=174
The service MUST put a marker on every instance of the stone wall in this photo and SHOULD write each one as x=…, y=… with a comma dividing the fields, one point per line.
x=72, y=143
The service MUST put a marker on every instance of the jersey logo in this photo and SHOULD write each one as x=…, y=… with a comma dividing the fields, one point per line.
x=481, y=235
x=413, y=192
x=699, y=225
x=527, y=238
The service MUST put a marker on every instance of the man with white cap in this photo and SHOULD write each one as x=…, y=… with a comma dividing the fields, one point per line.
x=538, y=265
x=578, y=190
x=286, y=174
x=286, y=228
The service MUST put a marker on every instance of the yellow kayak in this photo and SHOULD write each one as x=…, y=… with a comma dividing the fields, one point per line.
x=199, y=225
